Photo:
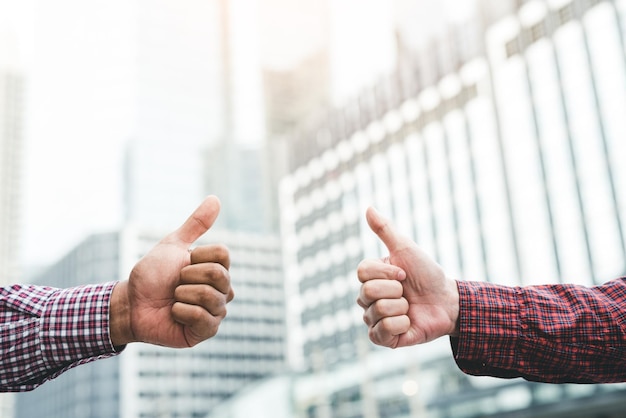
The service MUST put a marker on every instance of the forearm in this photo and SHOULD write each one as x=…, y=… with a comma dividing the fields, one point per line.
x=552, y=333
x=46, y=331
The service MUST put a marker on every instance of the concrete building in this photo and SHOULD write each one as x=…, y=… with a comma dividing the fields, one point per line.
x=150, y=381
x=504, y=166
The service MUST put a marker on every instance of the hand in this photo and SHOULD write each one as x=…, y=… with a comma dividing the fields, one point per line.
x=173, y=297
x=407, y=298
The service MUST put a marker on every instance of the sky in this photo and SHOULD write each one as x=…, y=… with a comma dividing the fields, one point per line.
x=81, y=101
x=73, y=136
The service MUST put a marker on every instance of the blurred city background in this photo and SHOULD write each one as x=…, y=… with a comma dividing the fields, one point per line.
x=491, y=132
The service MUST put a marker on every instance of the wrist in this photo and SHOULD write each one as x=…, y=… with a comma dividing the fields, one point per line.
x=120, y=330
x=455, y=309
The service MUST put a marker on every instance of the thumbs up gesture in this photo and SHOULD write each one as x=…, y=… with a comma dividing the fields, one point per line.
x=406, y=297
x=175, y=297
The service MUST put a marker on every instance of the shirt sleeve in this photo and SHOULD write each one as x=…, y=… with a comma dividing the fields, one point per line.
x=46, y=331
x=548, y=333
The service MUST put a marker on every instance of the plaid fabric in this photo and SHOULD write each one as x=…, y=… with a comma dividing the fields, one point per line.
x=548, y=333
x=46, y=331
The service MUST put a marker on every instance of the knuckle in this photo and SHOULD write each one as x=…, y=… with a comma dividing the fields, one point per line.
x=218, y=310
x=224, y=278
x=212, y=327
x=222, y=253
x=218, y=274
x=204, y=296
x=368, y=291
x=366, y=318
x=197, y=316
x=231, y=294
x=361, y=269
x=208, y=296
x=373, y=335
x=387, y=323
x=222, y=284
x=380, y=309
x=364, y=270
x=361, y=301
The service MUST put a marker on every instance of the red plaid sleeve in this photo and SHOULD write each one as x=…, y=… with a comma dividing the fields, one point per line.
x=46, y=331
x=549, y=333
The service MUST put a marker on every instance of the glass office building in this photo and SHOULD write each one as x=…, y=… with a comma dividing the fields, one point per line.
x=150, y=381
x=505, y=169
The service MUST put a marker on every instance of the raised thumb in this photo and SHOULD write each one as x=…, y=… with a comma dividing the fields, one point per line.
x=383, y=228
x=200, y=221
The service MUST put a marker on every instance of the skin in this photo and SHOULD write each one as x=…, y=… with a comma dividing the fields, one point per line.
x=175, y=297
x=406, y=297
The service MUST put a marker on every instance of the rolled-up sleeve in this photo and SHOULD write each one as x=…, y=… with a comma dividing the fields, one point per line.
x=46, y=331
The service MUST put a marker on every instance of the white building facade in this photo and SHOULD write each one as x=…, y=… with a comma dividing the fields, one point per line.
x=506, y=169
